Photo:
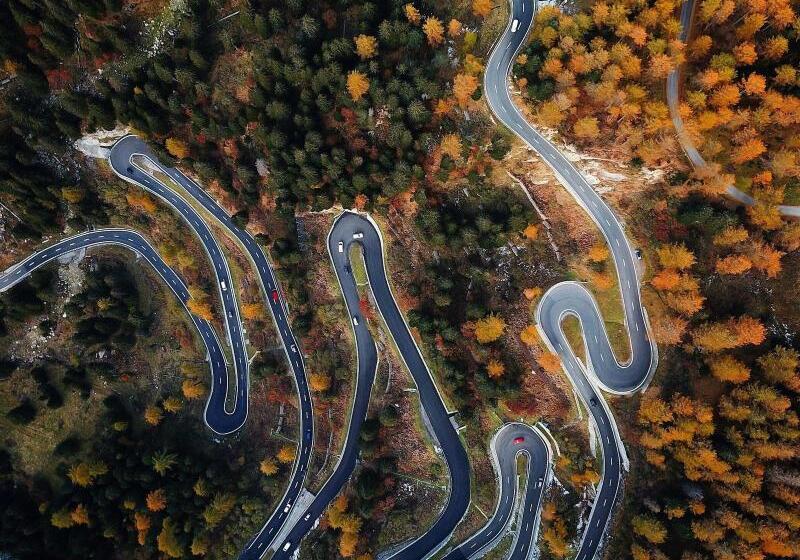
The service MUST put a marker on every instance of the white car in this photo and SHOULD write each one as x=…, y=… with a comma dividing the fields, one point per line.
x=355, y=320
x=307, y=517
x=287, y=508
x=294, y=348
x=287, y=546
x=341, y=246
x=224, y=287
x=514, y=26
x=358, y=235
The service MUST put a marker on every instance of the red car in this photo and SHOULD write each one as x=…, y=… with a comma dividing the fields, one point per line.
x=518, y=440
x=275, y=296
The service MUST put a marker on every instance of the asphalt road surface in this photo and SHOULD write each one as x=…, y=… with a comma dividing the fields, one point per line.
x=351, y=228
x=571, y=298
x=506, y=446
x=137, y=243
x=121, y=158
x=673, y=100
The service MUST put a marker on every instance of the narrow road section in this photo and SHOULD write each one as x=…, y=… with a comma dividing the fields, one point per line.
x=602, y=370
x=349, y=228
x=122, y=157
x=137, y=243
x=510, y=442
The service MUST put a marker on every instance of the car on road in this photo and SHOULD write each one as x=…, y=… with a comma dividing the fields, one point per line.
x=355, y=320
x=593, y=401
x=639, y=254
x=540, y=482
x=275, y=296
x=518, y=440
x=341, y=246
x=307, y=517
x=224, y=287
x=129, y=170
x=287, y=546
x=358, y=235
x=348, y=269
x=288, y=507
x=514, y=26
x=294, y=349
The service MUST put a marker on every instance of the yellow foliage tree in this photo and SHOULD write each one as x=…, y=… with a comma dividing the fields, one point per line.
x=454, y=28
x=451, y=146
x=549, y=362
x=357, y=85
x=464, y=85
x=268, y=467
x=675, y=256
x=156, y=500
x=495, y=369
x=532, y=293
x=200, y=308
x=598, y=253
x=489, y=329
x=434, y=31
x=529, y=335
x=172, y=404
x=727, y=368
x=319, y=382
x=153, y=415
x=286, y=454
x=193, y=389
x=481, y=8
x=586, y=128
x=412, y=14
x=167, y=540
x=531, y=232
x=366, y=46
x=80, y=515
x=177, y=148
x=253, y=311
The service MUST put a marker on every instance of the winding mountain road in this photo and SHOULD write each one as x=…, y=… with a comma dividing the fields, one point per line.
x=125, y=156
x=350, y=228
x=602, y=370
x=511, y=441
x=137, y=243
x=686, y=142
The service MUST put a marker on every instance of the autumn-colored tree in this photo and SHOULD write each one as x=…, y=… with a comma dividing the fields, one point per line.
x=142, y=201
x=434, y=31
x=172, y=404
x=531, y=232
x=532, y=293
x=749, y=330
x=366, y=46
x=727, y=368
x=80, y=515
x=550, y=114
x=142, y=524
x=286, y=454
x=495, y=369
x=650, y=528
x=675, y=256
x=451, y=146
x=83, y=474
x=167, y=540
x=153, y=415
x=319, y=382
x=733, y=264
x=529, y=335
x=193, y=389
x=780, y=366
x=549, y=362
x=268, y=467
x=586, y=128
x=357, y=85
x=156, y=500
x=464, y=85
x=666, y=280
x=253, y=311
x=748, y=151
x=730, y=236
x=454, y=28
x=489, y=329
x=177, y=147
x=347, y=544
x=201, y=308
x=598, y=252
x=219, y=508
x=766, y=259
x=412, y=13
x=62, y=519
x=481, y=8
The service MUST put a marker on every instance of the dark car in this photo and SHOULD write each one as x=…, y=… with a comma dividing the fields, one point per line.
x=130, y=170
x=593, y=401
